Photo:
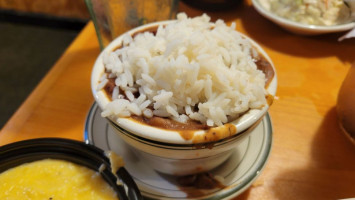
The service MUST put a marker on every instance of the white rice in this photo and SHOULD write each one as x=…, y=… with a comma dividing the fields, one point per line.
x=188, y=70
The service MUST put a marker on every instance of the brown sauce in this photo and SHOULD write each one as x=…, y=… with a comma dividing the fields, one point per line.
x=166, y=123
x=215, y=134
x=187, y=131
x=109, y=87
x=264, y=66
x=194, y=185
x=269, y=99
x=200, y=181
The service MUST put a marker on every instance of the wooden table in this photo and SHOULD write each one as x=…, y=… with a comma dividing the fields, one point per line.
x=310, y=158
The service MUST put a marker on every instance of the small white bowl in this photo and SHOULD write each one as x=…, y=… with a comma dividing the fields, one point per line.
x=299, y=28
x=166, y=150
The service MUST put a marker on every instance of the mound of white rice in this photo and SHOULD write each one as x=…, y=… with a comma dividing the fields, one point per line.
x=187, y=70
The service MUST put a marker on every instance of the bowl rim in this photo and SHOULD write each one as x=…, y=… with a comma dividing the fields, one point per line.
x=83, y=154
x=164, y=135
x=188, y=146
x=302, y=28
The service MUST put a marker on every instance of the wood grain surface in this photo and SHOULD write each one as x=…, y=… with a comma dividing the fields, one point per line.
x=310, y=159
x=59, y=8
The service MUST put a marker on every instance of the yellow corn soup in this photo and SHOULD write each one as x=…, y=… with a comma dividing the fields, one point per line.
x=51, y=179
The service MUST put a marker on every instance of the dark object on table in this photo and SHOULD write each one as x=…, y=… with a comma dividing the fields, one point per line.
x=346, y=104
x=213, y=5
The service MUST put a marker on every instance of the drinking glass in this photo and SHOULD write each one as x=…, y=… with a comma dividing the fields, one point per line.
x=114, y=17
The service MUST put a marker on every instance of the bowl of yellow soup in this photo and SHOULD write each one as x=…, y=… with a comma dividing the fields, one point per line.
x=53, y=168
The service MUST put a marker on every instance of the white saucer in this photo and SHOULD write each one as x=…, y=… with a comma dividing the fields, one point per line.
x=238, y=176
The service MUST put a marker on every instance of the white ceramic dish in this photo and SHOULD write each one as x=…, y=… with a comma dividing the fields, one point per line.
x=157, y=134
x=298, y=28
x=239, y=171
x=166, y=150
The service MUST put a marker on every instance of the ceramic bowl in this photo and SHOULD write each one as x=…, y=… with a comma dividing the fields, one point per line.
x=166, y=150
x=15, y=154
x=299, y=28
